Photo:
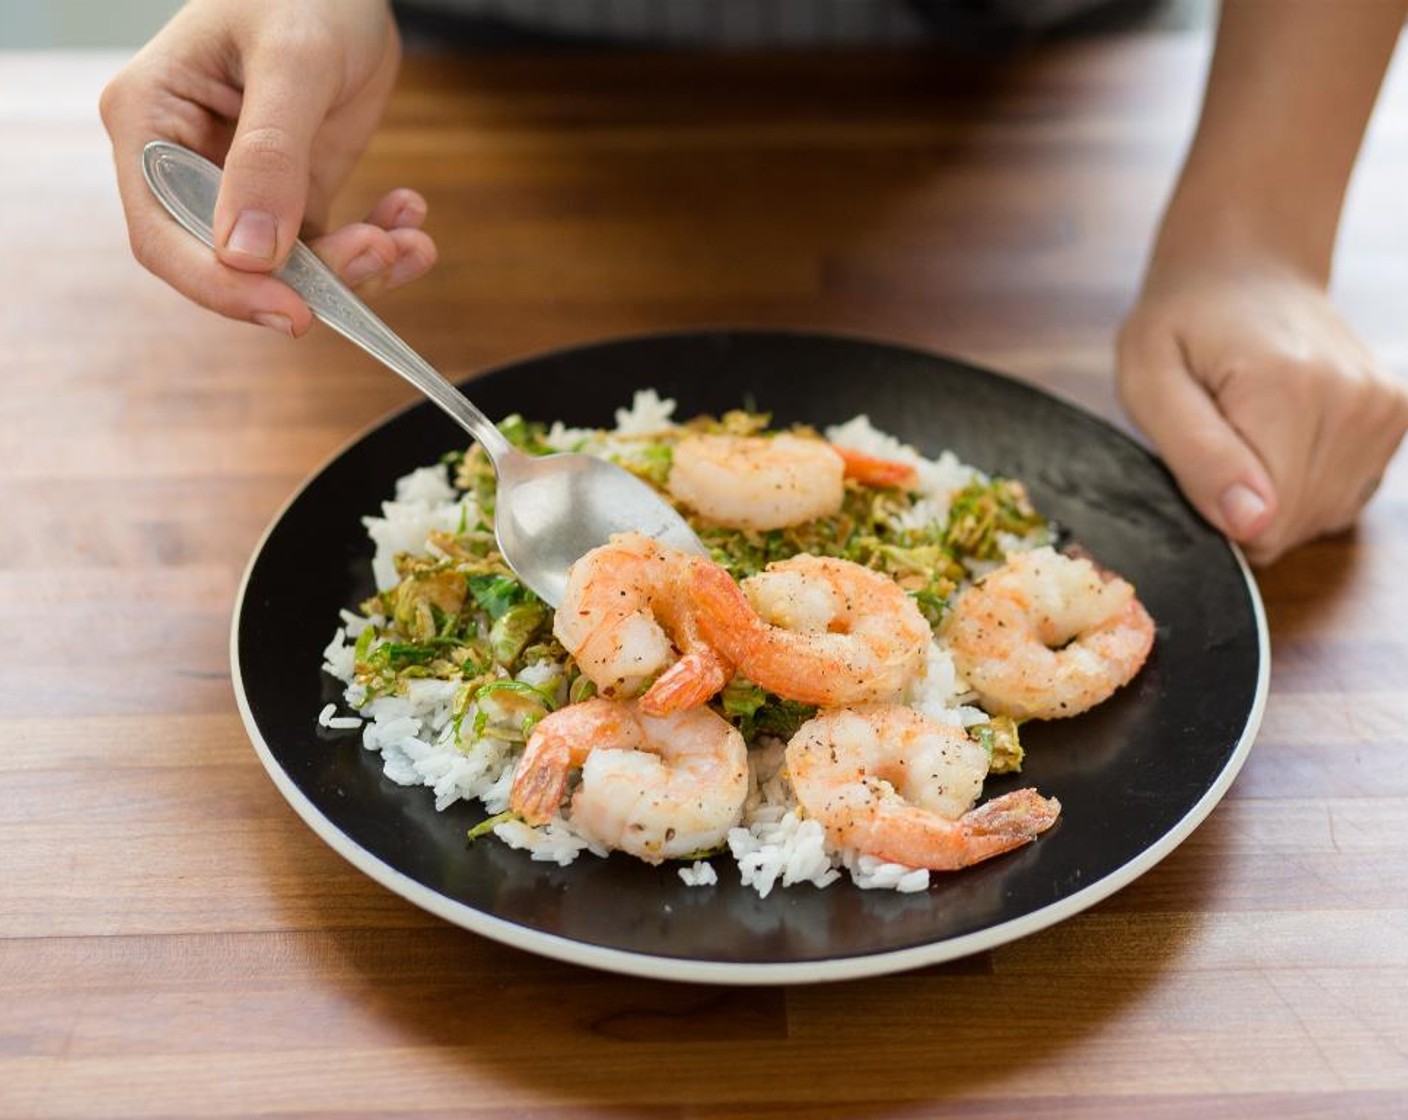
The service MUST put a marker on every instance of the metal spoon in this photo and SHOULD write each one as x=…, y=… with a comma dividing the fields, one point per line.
x=551, y=509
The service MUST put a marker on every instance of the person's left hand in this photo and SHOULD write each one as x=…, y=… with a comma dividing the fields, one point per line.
x=1273, y=416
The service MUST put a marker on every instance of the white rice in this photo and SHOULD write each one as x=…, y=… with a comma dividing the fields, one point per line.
x=553, y=842
x=648, y=415
x=420, y=743
x=938, y=479
x=326, y=718
x=699, y=874
x=872, y=874
x=941, y=693
x=425, y=501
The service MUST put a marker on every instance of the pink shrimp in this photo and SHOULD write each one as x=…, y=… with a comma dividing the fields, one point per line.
x=1047, y=635
x=814, y=628
x=625, y=620
x=656, y=788
x=771, y=482
x=887, y=781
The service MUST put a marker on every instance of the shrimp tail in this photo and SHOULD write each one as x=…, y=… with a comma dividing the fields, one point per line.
x=540, y=782
x=559, y=742
x=1009, y=821
x=690, y=682
x=874, y=471
x=903, y=834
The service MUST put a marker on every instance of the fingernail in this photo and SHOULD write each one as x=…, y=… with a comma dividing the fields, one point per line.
x=274, y=321
x=409, y=214
x=363, y=267
x=255, y=234
x=1242, y=508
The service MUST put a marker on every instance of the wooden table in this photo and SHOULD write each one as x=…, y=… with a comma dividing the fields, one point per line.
x=175, y=942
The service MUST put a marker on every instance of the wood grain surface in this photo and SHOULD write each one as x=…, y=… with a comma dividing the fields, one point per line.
x=174, y=942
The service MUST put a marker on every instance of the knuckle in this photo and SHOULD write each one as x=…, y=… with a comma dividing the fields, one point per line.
x=1377, y=398
x=1397, y=411
x=265, y=150
x=143, y=250
x=112, y=100
x=1308, y=378
x=134, y=90
x=1389, y=387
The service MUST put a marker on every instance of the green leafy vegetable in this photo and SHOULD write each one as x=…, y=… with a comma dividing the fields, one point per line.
x=515, y=628
x=497, y=594
x=754, y=711
x=488, y=824
x=1000, y=739
x=981, y=511
x=510, y=709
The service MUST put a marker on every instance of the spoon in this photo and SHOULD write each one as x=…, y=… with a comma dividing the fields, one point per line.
x=551, y=509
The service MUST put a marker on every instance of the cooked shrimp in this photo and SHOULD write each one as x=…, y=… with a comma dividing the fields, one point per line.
x=771, y=482
x=874, y=471
x=656, y=788
x=624, y=620
x=887, y=781
x=757, y=482
x=814, y=628
x=1048, y=635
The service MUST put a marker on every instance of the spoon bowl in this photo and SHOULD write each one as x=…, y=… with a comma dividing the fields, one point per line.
x=565, y=505
x=550, y=509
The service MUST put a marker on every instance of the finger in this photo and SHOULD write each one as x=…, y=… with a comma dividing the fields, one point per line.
x=169, y=252
x=1366, y=424
x=372, y=259
x=1327, y=426
x=402, y=208
x=416, y=255
x=356, y=252
x=1217, y=469
x=289, y=86
x=166, y=249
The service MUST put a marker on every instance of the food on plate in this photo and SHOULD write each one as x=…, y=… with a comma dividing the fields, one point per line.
x=756, y=482
x=627, y=623
x=657, y=788
x=1047, y=635
x=824, y=694
x=815, y=629
x=774, y=481
x=888, y=781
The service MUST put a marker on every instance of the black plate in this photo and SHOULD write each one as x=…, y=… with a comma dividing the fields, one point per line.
x=1135, y=776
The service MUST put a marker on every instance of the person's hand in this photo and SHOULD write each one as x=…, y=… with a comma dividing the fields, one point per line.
x=285, y=96
x=1275, y=419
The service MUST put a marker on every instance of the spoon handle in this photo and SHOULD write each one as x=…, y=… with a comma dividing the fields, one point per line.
x=187, y=184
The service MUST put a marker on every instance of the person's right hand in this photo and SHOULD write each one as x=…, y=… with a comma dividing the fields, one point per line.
x=285, y=96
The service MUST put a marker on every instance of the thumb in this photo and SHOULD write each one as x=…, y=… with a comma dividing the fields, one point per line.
x=264, y=190
x=1217, y=470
